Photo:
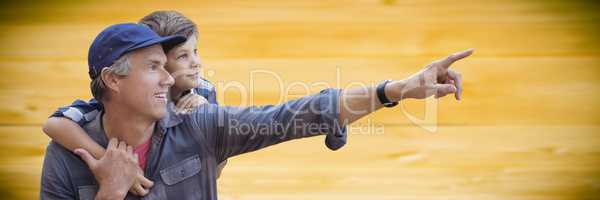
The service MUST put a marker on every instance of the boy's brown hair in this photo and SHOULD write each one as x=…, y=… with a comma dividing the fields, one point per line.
x=168, y=23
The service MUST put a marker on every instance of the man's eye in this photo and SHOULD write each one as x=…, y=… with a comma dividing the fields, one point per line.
x=195, y=51
x=153, y=67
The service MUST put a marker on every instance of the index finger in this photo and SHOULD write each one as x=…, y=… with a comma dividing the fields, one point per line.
x=455, y=57
x=112, y=144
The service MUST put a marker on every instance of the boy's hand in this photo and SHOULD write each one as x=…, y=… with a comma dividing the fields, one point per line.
x=142, y=185
x=189, y=102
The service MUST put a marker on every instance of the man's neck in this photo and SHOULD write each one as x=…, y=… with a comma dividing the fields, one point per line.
x=121, y=124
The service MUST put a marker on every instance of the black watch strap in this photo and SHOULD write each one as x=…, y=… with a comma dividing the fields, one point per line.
x=381, y=95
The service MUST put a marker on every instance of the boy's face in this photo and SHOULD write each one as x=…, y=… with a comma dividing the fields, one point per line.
x=183, y=63
x=145, y=89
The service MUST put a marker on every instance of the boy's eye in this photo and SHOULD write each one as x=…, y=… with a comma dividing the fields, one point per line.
x=182, y=56
x=195, y=51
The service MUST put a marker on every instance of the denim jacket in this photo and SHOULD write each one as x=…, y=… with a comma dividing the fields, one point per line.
x=186, y=149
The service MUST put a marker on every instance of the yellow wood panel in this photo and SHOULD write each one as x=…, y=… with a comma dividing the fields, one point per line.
x=527, y=128
x=539, y=90
x=536, y=63
x=458, y=162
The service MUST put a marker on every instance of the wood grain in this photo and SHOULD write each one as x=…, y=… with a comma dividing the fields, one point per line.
x=528, y=127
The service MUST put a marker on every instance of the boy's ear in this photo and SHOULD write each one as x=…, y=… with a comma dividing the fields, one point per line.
x=111, y=80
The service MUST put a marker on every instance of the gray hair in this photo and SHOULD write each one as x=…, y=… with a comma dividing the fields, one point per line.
x=120, y=67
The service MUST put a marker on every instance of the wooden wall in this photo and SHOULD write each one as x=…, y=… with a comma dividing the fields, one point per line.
x=528, y=127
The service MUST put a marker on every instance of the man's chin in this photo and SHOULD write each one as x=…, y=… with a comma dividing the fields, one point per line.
x=159, y=113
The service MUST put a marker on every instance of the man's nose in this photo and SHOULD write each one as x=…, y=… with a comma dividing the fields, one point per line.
x=166, y=79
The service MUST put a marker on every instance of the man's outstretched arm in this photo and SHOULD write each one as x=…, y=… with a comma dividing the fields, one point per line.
x=436, y=79
x=235, y=130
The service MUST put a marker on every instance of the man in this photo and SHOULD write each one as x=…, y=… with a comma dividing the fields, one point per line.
x=128, y=78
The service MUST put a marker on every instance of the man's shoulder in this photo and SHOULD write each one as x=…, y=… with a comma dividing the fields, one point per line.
x=62, y=173
x=62, y=162
x=59, y=157
x=56, y=150
x=56, y=155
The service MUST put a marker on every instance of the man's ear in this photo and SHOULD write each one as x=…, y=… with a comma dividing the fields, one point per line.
x=111, y=80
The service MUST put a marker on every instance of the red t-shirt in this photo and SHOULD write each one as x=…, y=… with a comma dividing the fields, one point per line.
x=141, y=152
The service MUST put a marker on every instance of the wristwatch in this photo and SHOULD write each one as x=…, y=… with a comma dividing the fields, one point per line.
x=381, y=95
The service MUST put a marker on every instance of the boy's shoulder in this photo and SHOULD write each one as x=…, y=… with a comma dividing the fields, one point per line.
x=205, y=84
x=79, y=111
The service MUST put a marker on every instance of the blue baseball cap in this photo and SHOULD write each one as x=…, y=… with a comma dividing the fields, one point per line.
x=119, y=39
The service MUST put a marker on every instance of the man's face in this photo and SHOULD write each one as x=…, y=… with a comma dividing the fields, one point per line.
x=146, y=87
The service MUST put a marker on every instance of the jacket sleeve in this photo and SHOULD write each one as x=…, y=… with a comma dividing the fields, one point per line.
x=236, y=130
